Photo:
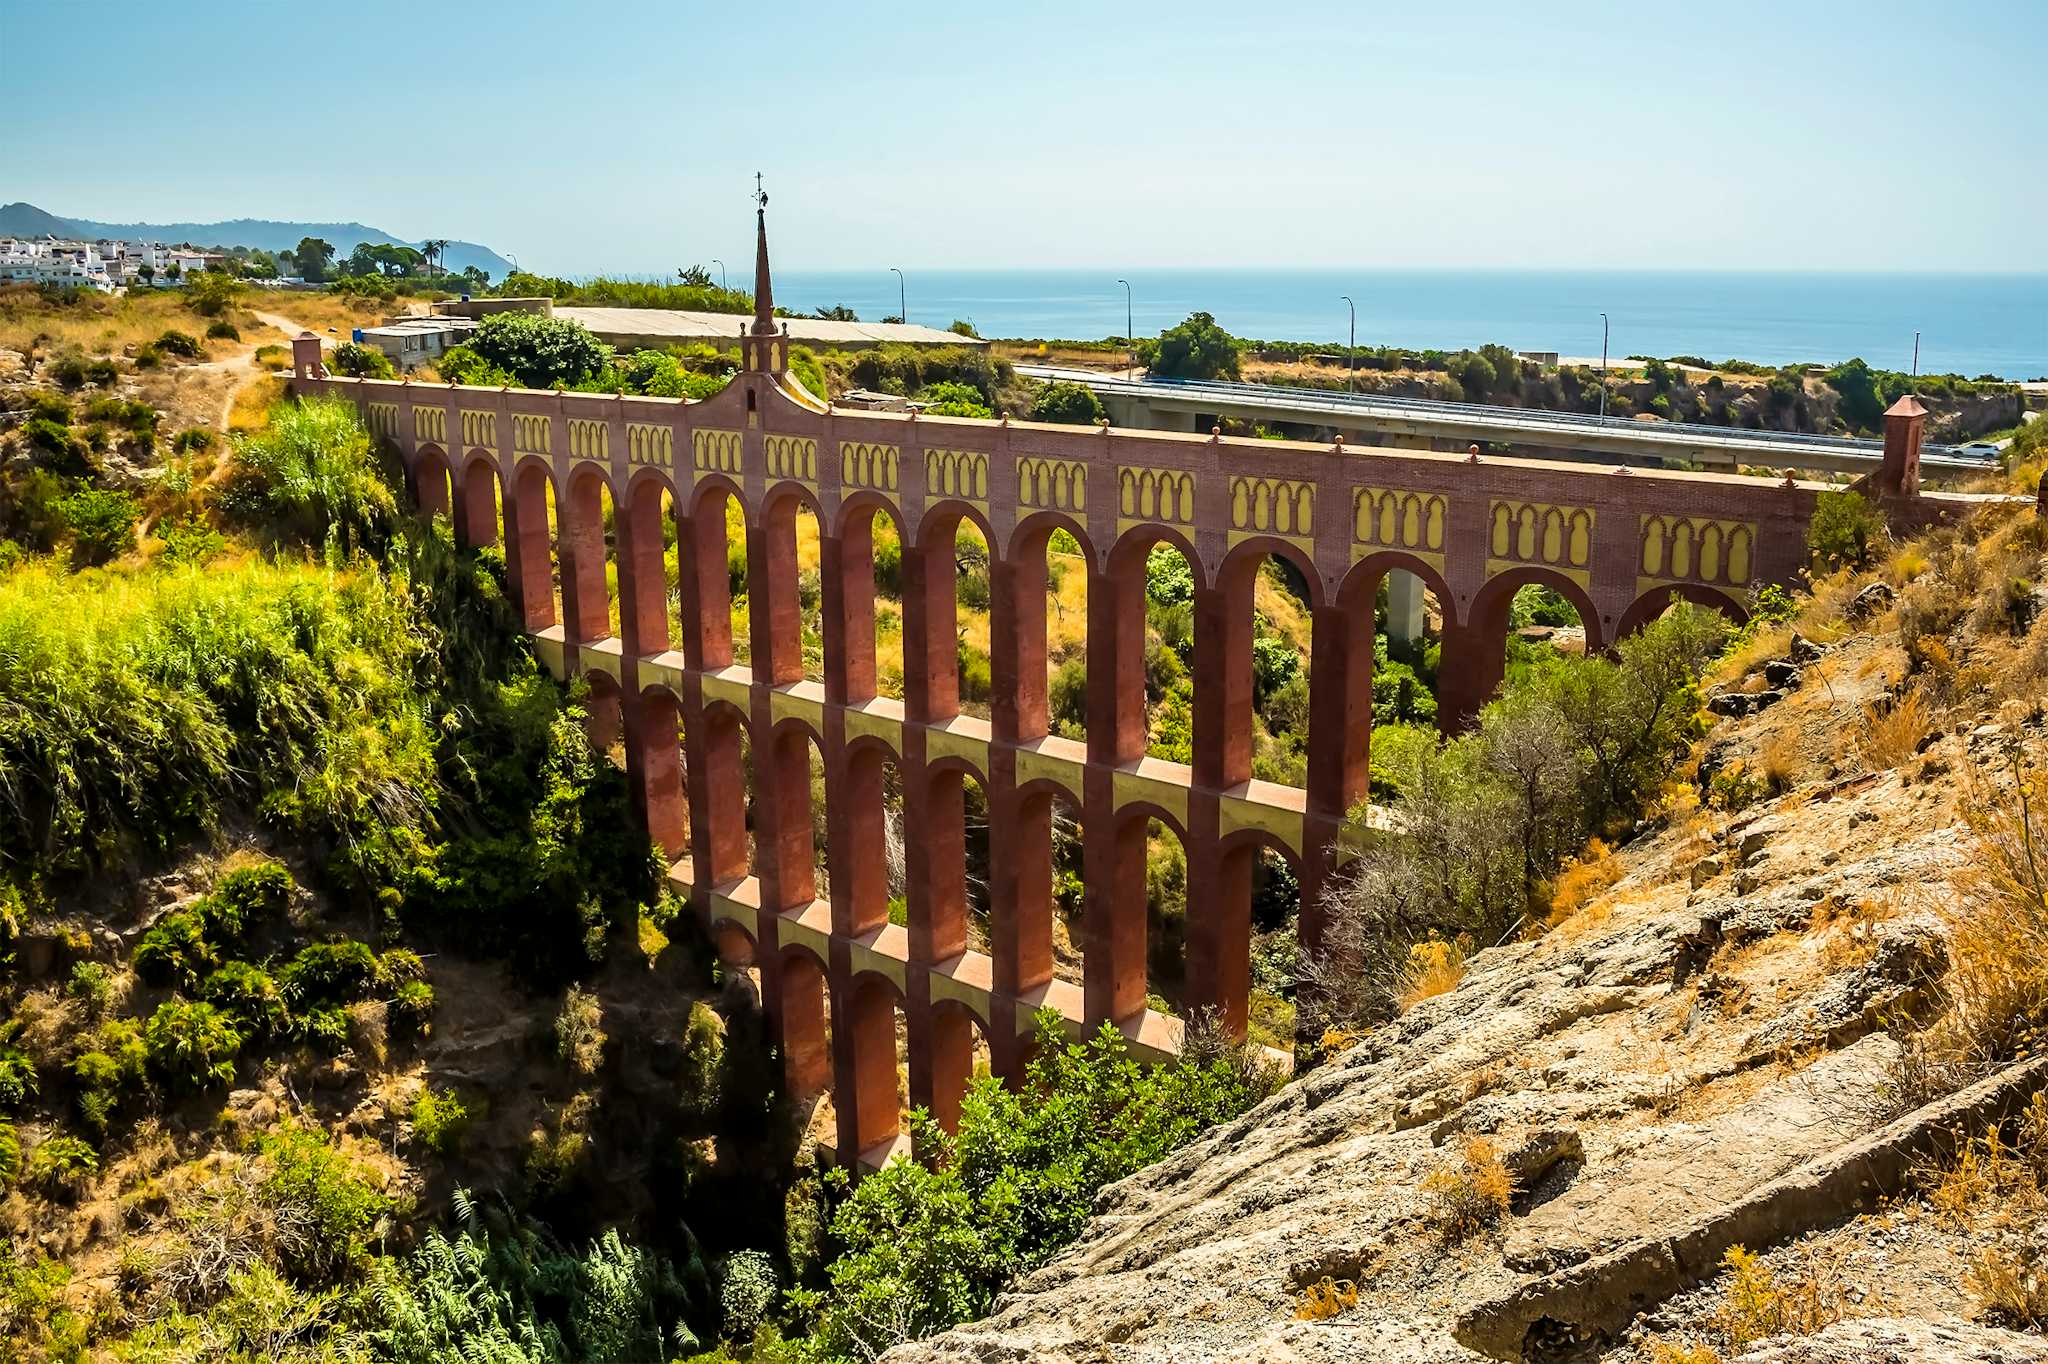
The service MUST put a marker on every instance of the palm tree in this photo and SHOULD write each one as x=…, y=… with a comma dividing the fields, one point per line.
x=432, y=248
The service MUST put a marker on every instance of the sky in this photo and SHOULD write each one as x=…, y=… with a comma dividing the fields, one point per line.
x=625, y=137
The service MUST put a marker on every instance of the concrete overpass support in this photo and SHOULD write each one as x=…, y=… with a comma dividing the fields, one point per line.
x=1404, y=606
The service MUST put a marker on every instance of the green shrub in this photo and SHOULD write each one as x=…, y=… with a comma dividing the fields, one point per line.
x=462, y=365
x=314, y=1188
x=1196, y=349
x=179, y=343
x=91, y=984
x=102, y=524
x=223, y=330
x=439, y=1121
x=148, y=357
x=192, y=1045
x=928, y=1245
x=50, y=407
x=101, y=372
x=413, y=1007
x=244, y=897
x=175, y=952
x=541, y=351
x=61, y=1167
x=18, y=1082
x=56, y=448
x=358, y=361
x=950, y=398
x=1845, y=532
x=250, y=996
x=324, y=1028
x=328, y=973
x=190, y=541
x=1069, y=403
x=10, y=1157
x=109, y=1071
x=314, y=476
x=746, y=1290
x=399, y=966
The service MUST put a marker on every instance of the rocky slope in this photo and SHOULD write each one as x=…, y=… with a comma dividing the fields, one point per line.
x=1697, y=1059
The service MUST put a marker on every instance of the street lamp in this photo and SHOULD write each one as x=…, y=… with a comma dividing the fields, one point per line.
x=1130, y=342
x=902, y=308
x=1603, y=367
x=721, y=272
x=1351, y=379
x=1916, y=355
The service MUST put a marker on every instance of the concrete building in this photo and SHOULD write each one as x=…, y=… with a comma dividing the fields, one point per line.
x=415, y=341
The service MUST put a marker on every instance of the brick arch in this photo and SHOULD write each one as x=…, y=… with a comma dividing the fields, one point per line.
x=866, y=1016
x=706, y=485
x=586, y=593
x=1243, y=558
x=528, y=544
x=701, y=571
x=477, y=524
x=1018, y=595
x=1361, y=581
x=1134, y=545
x=654, y=758
x=1219, y=943
x=803, y=985
x=433, y=481
x=1032, y=532
x=1489, y=610
x=954, y=1024
x=1653, y=603
x=603, y=712
x=938, y=862
x=859, y=821
x=785, y=835
x=1048, y=786
x=851, y=671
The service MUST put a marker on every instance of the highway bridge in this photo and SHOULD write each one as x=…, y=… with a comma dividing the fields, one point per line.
x=1426, y=424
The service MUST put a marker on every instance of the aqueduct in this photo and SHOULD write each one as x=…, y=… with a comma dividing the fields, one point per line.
x=1619, y=543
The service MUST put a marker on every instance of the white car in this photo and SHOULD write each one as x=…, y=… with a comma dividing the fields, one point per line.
x=1983, y=450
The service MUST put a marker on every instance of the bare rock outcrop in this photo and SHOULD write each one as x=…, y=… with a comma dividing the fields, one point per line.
x=1889, y=1340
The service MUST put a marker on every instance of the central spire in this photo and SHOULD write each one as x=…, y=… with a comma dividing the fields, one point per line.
x=764, y=292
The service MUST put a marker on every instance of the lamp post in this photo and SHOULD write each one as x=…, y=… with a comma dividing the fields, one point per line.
x=721, y=272
x=1130, y=342
x=902, y=308
x=1603, y=367
x=1351, y=351
x=1916, y=355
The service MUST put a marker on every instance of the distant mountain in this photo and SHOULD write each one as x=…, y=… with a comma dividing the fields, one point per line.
x=262, y=234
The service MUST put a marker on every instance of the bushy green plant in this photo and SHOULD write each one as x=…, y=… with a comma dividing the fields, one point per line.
x=328, y=973
x=192, y=1045
x=950, y=398
x=184, y=344
x=61, y=1166
x=10, y=1158
x=313, y=475
x=91, y=984
x=33, y=1313
x=102, y=524
x=1845, y=532
x=929, y=1245
x=19, y=1084
x=1070, y=403
x=243, y=898
x=462, y=365
x=223, y=330
x=250, y=996
x=175, y=952
x=149, y=356
x=412, y=1007
x=1195, y=349
x=746, y=1290
x=110, y=1070
x=439, y=1120
x=316, y=1190
x=541, y=351
x=359, y=361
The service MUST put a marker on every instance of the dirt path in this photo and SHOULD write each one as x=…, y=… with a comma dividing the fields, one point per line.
x=240, y=361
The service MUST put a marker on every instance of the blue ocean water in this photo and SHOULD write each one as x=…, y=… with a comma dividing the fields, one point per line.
x=1970, y=324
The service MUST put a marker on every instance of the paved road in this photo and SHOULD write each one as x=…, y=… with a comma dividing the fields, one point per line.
x=1571, y=434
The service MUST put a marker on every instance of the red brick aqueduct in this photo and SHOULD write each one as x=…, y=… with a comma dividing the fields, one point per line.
x=1619, y=543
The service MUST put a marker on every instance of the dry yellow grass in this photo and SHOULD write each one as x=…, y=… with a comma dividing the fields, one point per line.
x=1434, y=967
x=1580, y=879
x=1470, y=1194
x=1891, y=733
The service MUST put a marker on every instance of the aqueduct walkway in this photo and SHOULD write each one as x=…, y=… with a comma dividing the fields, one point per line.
x=1619, y=544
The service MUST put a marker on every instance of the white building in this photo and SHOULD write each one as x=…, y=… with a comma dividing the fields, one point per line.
x=48, y=261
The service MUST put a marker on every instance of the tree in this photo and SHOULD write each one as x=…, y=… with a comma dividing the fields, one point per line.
x=838, y=313
x=693, y=277
x=541, y=351
x=313, y=258
x=102, y=524
x=432, y=248
x=1068, y=403
x=361, y=362
x=1196, y=349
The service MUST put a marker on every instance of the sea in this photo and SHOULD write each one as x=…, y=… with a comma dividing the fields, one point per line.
x=1969, y=324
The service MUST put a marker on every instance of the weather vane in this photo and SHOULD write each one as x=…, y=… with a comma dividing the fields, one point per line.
x=760, y=195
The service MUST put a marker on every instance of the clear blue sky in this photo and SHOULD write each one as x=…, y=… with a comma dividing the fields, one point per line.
x=625, y=137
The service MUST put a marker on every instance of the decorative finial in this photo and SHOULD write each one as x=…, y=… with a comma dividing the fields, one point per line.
x=1472, y=455
x=1215, y=433
x=760, y=195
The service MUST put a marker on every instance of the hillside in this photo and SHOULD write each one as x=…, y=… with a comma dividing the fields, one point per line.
x=1737, y=1086
x=263, y=234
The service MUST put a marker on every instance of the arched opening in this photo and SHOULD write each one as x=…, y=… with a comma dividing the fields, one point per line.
x=784, y=591
x=1268, y=600
x=530, y=527
x=712, y=576
x=787, y=847
x=654, y=759
x=947, y=595
x=479, y=524
x=875, y=1076
x=1143, y=637
x=868, y=826
x=433, y=489
x=603, y=719
x=643, y=568
x=1044, y=935
x=1251, y=987
x=869, y=601
x=953, y=850
x=959, y=1053
x=1496, y=638
x=1047, y=630
x=1655, y=602
x=806, y=1025
x=588, y=606
x=1408, y=630
x=1167, y=983
x=721, y=806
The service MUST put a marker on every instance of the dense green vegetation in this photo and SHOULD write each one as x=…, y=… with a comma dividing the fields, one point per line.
x=356, y=690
